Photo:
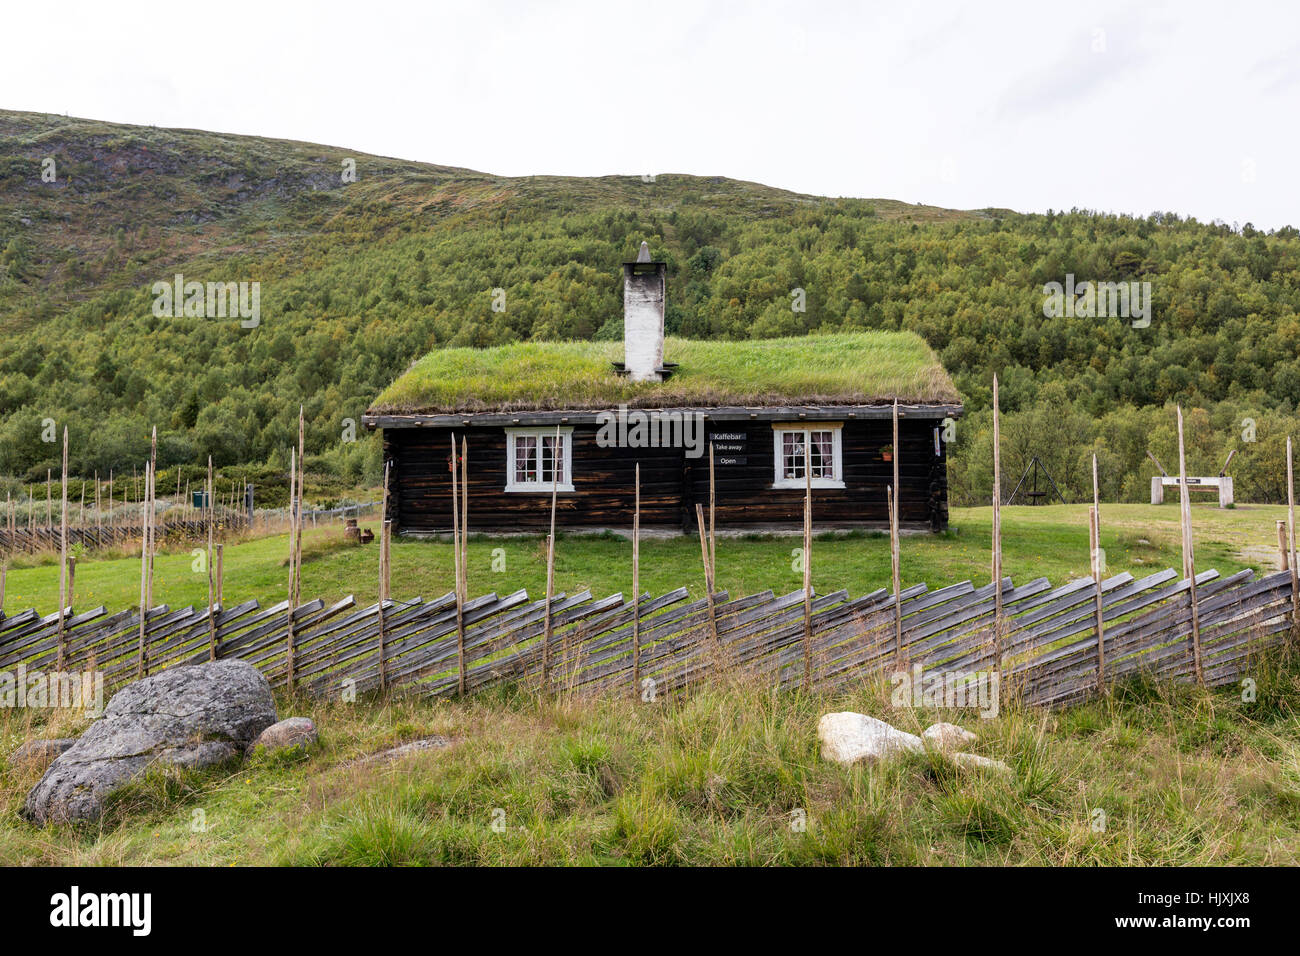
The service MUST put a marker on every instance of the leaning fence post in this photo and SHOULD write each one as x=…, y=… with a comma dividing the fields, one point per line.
x=708, y=571
x=293, y=558
x=63, y=550
x=1189, y=553
x=897, y=576
x=550, y=556
x=383, y=577
x=636, y=586
x=1097, y=572
x=456, y=562
x=1291, y=544
x=141, y=663
x=807, y=560
x=997, y=525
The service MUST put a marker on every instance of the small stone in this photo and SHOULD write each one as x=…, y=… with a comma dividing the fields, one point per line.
x=408, y=750
x=948, y=737
x=975, y=761
x=290, y=732
x=847, y=737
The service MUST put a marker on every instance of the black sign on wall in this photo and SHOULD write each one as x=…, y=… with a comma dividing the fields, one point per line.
x=729, y=447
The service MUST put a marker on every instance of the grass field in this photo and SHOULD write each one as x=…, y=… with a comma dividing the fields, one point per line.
x=1152, y=775
x=1050, y=541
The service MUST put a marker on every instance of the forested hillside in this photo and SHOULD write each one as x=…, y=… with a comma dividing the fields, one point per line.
x=359, y=279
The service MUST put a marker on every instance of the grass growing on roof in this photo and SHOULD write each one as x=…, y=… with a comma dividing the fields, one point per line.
x=857, y=367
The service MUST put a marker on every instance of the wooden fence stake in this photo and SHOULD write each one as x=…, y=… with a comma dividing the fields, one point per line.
x=897, y=575
x=464, y=518
x=807, y=561
x=153, y=506
x=383, y=577
x=1282, y=547
x=1189, y=555
x=212, y=614
x=293, y=558
x=1291, y=543
x=550, y=557
x=63, y=551
x=708, y=571
x=997, y=524
x=221, y=595
x=636, y=586
x=141, y=664
x=456, y=560
x=1096, y=576
x=713, y=541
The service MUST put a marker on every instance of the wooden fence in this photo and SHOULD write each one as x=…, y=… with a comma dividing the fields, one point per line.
x=1048, y=636
x=97, y=538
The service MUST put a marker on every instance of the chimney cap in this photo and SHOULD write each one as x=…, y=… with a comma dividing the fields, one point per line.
x=644, y=254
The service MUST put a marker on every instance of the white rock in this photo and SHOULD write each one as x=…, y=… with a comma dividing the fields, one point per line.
x=847, y=737
x=948, y=737
x=975, y=761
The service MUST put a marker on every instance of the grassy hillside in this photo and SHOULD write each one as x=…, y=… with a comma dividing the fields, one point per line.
x=359, y=279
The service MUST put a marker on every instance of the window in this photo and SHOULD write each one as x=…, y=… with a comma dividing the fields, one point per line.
x=534, y=461
x=816, y=447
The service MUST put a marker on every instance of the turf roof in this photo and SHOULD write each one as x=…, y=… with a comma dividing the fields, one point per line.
x=857, y=368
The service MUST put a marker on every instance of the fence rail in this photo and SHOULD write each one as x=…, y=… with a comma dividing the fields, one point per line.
x=1048, y=638
x=96, y=538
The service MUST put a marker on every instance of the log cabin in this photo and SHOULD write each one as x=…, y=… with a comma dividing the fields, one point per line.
x=573, y=420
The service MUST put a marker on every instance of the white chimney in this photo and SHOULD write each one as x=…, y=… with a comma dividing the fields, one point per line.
x=644, y=293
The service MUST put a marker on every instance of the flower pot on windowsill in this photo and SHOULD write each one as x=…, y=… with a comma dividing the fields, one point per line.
x=887, y=455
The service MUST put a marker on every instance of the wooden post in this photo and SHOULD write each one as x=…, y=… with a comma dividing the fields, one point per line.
x=142, y=665
x=212, y=614
x=1282, y=547
x=152, y=494
x=636, y=586
x=464, y=518
x=1097, y=571
x=1189, y=555
x=302, y=476
x=49, y=502
x=72, y=582
x=894, y=500
x=1291, y=544
x=63, y=549
x=293, y=558
x=383, y=577
x=550, y=558
x=221, y=593
x=713, y=541
x=708, y=571
x=456, y=558
x=807, y=561
x=997, y=525
x=892, y=505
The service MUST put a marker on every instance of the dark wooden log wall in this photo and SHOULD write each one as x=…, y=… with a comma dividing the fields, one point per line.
x=671, y=483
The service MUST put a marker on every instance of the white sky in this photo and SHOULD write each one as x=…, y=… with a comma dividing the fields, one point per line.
x=1180, y=106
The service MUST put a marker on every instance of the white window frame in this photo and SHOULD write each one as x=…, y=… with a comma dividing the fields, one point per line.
x=566, y=436
x=837, y=455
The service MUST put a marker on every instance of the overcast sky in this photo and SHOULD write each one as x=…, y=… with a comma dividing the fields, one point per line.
x=1188, y=107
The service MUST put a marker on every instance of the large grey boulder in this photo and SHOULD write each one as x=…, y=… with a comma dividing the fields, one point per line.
x=192, y=716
